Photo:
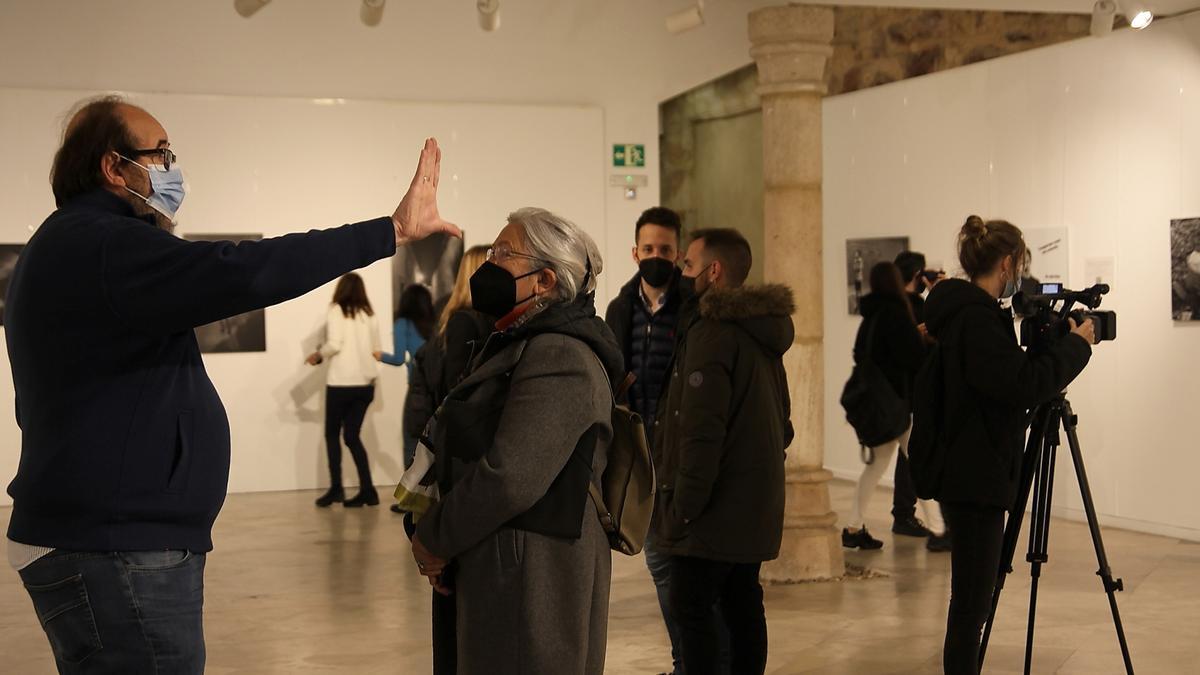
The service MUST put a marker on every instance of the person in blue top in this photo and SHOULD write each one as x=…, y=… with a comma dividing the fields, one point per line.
x=414, y=325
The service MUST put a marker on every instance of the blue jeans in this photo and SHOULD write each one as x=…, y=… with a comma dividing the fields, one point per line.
x=659, y=565
x=134, y=612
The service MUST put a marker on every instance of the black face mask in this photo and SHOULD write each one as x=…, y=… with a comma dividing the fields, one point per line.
x=494, y=290
x=656, y=271
x=688, y=284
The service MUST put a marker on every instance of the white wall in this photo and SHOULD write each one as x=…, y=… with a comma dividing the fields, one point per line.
x=613, y=58
x=273, y=166
x=615, y=54
x=1099, y=135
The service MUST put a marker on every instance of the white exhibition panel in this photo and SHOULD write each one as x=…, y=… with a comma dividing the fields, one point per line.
x=275, y=166
x=1101, y=136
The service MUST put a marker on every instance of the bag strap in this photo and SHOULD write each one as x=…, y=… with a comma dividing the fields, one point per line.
x=606, y=519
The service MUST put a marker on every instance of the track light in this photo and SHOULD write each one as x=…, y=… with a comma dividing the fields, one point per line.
x=489, y=14
x=1138, y=14
x=371, y=12
x=1103, y=14
x=247, y=8
x=687, y=19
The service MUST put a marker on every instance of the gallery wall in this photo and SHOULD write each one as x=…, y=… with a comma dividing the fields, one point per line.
x=248, y=175
x=612, y=54
x=1100, y=136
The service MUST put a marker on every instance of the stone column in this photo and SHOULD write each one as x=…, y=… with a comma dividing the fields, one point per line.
x=791, y=45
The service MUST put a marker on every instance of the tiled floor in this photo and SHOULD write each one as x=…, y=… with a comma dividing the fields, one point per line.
x=292, y=588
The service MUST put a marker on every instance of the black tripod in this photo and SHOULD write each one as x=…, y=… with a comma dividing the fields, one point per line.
x=1037, y=474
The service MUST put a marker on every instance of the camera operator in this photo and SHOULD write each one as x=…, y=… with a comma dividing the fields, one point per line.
x=990, y=385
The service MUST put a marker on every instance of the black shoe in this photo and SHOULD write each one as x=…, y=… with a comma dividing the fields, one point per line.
x=910, y=526
x=938, y=543
x=861, y=539
x=396, y=509
x=335, y=494
x=363, y=498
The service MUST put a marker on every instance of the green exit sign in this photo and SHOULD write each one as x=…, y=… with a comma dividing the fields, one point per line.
x=629, y=155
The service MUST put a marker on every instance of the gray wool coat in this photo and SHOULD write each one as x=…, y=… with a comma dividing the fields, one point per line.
x=529, y=603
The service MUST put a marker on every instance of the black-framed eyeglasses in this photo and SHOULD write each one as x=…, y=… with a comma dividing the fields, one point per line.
x=165, y=154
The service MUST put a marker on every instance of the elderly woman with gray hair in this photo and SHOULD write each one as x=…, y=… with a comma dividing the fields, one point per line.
x=514, y=536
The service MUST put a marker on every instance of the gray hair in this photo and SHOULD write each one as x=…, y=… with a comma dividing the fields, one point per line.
x=564, y=247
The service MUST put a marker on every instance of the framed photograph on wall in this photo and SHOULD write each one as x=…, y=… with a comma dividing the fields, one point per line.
x=431, y=262
x=8, y=262
x=1185, y=269
x=861, y=256
x=242, y=333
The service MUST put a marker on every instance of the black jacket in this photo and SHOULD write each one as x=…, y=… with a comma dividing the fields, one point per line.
x=723, y=427
x=466, y=331
x=620, y=317
x=991, y=384
x=124, y=441
x=896, y=348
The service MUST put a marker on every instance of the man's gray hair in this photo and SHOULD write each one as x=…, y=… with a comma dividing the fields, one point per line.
x=564, y=247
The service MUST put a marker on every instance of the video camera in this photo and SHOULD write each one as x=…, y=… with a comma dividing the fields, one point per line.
x=1045, y=323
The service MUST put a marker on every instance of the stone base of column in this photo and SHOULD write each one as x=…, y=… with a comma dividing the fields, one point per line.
x=812, y=545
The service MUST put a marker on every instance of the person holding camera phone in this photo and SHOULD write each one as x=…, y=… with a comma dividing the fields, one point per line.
x=888, y=337
x=917, y=280
x=989, y=387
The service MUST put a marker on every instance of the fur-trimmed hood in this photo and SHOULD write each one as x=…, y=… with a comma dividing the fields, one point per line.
x=765, y=312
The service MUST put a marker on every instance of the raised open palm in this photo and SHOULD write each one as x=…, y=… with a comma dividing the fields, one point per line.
x=417, y=215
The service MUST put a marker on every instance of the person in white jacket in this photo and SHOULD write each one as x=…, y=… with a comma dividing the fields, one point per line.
x=353, y=349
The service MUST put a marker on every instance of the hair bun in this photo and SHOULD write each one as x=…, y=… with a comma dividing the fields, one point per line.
x=974, y=228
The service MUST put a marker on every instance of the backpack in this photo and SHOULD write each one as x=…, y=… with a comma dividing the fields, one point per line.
x=625, y=499
x=929, y=442
x=877, y=413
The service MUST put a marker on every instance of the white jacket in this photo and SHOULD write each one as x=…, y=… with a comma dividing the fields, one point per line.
x=350, y=346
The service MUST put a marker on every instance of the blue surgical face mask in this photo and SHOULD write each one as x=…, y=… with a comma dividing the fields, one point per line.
x=167, y=188
x=1010, y=289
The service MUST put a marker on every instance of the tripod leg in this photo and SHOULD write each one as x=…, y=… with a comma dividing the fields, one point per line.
x=1012, y=529
x=1111, y=586
x=1039, y=531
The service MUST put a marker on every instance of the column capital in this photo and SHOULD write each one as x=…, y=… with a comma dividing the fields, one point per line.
x=791, y=45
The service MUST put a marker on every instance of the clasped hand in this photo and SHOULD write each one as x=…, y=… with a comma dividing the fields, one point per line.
x=429, y=565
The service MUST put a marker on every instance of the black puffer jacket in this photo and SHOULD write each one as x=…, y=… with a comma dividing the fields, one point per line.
x=723, y=427
x=896, y=346
x=991, y=384
x=647, y=340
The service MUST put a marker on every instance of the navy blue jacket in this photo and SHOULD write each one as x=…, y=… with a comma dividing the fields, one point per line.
x=647, y=341
x=124, y=441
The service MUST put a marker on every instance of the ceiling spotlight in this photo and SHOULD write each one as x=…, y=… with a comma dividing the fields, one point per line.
x=1103, y=13
x=1138, y=13
x=248, y=8
x=687, y=19
x=489, y=14
x=371, y=12
x=1140, y=18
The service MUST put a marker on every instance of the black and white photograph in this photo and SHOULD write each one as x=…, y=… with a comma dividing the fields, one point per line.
x=861, y=255
x=8, y=262
x=242, y=333
x=1185, y=269
x=432, y=263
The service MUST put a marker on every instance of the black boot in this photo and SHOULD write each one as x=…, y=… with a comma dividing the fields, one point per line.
x=335, y=494
x=365, y=497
